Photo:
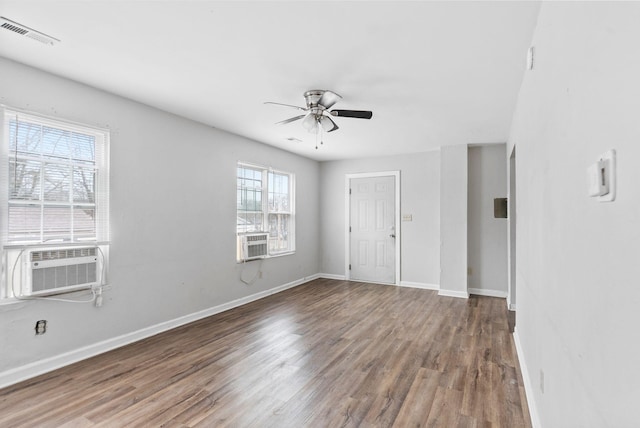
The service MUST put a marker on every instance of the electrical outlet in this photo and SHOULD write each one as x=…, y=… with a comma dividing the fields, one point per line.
x=542, y=381
x=41, y=327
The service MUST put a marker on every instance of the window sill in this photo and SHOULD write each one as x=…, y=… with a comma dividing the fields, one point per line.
x=272, y=256
x=28, y=245
x=287, y=253
x=9, y=301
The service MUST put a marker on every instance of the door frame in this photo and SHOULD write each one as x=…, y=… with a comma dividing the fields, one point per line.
x=347, y=218
x=512, y=219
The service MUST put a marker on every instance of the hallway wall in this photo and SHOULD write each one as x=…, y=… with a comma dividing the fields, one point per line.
x=577, y=258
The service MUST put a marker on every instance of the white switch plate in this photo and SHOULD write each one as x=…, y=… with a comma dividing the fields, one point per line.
x=407, y=217
x=598, y=181
x=602, y=177
x=530, y=56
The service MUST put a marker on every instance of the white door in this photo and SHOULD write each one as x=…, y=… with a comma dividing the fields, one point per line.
x=372, y=225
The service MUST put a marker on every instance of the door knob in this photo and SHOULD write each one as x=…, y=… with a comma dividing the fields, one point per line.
x=393, y=235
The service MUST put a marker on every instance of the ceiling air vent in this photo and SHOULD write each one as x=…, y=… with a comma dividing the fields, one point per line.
x=23, y=30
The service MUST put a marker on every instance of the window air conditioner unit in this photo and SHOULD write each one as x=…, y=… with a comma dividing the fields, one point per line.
x=60, y=270
x=253, y=246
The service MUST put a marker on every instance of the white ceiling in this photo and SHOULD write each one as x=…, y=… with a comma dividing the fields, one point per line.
x=433, y=73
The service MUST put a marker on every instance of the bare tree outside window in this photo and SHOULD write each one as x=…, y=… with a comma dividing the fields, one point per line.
x=52, y=183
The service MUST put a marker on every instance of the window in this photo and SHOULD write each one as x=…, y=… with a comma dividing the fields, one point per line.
x=265, y=204
x=54, y=184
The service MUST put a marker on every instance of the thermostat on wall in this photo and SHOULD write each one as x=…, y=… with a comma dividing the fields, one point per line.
x=602, y=177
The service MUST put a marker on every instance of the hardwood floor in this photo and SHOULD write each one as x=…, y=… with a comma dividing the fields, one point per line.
x=324, y=354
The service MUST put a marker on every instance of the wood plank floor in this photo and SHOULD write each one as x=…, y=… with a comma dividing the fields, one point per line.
x=324, y=354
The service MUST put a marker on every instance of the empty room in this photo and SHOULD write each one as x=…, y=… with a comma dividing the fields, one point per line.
x=319, y=213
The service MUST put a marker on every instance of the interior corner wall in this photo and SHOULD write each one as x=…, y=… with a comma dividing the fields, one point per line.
x=487, y=235
x=419, y=197
x=173, y=219
x=453, y=220
x=577, y=258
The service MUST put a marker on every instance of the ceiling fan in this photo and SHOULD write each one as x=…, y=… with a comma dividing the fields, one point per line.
x=317, y=116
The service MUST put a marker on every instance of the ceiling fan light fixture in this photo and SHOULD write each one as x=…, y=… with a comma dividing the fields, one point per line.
x=310, y=123
x=326, y=123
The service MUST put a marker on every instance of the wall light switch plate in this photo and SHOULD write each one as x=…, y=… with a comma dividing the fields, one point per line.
x=598, y=184
x=407, y=217
x=530, y=57
x=602, y=177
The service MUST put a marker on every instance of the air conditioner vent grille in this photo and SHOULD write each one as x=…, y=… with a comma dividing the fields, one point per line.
x=62, y=277
x=253, y=246
x=60, y=270
x=71, y=253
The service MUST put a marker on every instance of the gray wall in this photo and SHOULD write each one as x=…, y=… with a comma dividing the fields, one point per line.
x=420, y=197
x=453, y=221
x=487, y=235
x=577, y=259
x=172, y=216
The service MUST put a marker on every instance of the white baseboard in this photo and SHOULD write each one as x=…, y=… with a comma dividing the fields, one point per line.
x=37, y=368
x=488, y=293
x=528, y=385
x=422, y=285
x=332, y=276
x=452, y=293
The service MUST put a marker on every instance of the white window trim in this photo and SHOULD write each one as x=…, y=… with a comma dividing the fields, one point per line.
x=265, y=206
x=13, y=249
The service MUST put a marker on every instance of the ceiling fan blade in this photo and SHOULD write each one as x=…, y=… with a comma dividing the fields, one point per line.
x=292, y=119
x=360, y=114
x=328, y=124
x=310, y=123
x=328, y=99
x=286, y=105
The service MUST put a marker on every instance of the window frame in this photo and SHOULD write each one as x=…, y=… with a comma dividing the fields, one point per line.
x=98, y=163
x=266, y=210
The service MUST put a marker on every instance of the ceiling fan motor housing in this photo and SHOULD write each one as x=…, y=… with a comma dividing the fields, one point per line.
x=312, y=97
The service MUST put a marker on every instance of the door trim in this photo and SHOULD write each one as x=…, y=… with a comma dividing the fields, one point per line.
x=512, y=219
x=347, y=211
